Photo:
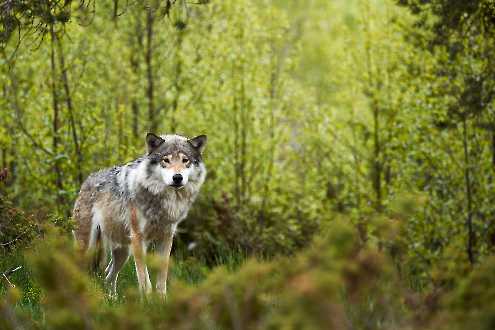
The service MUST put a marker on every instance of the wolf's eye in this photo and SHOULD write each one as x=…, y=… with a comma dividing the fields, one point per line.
x=185, y=160
x=166, y=160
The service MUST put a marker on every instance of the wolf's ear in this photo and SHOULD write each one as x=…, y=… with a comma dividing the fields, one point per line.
x=153, y=141
x=198, y=142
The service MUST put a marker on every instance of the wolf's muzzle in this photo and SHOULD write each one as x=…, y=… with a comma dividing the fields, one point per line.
x=177, y=178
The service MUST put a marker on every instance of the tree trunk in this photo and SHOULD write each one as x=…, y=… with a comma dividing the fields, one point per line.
x=4, y=157
x=136, y=39
x=177, y=84
x=235, y=163
x=493, y=149
x=121, y=141
x=153, y=121
x=115, y=13
x=70, y=109
x=243, y=137
x=468, y=187
x=377, y=166
x=55, y=121
x=4, y=123
x=275, y=66
x=371, y=87
x=135, y=118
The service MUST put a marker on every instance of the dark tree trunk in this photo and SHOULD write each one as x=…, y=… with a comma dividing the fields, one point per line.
x=469, y=197
x=372, y=85
x=3, y=122
x=115, y=13
x=70, y=109
x=177, y=84
x=377, y=165
x=55, y=121
x=122, y=142
x=274, y=77
x=135, y=118
x=153, y=121
x=243, y=135
x=4, y=157
x=136, y=39
x=493, y=149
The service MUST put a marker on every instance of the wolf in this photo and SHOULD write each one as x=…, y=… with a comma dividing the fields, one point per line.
x=126, y=209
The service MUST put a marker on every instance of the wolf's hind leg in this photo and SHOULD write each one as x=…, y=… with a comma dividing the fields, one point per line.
x=119, y=258
x=109, y=267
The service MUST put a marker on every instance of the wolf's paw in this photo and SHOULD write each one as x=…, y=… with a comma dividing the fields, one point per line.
x=112, y=296
x=162, y=291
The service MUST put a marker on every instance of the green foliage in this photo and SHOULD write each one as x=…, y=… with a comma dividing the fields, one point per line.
x=336, y=281
x=228, y=74
x=351, y=150
x=16, y=228
x=470, y=305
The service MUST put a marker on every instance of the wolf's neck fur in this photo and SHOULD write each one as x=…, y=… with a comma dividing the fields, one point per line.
x=155, y=200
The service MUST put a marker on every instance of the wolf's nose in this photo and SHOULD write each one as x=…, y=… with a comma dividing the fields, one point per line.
x=177, y=178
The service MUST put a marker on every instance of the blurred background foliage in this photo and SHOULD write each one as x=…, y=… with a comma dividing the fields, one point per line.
x=351, y=158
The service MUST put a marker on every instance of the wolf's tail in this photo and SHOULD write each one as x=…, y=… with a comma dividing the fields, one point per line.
x=97, y=250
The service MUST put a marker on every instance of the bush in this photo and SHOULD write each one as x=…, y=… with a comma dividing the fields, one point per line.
x=17, y=229
x=336, y=282
x=471, y=305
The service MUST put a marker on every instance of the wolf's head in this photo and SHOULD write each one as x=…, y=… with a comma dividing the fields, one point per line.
x=176, y=160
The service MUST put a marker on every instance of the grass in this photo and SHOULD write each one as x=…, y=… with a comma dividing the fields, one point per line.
x=185, y=268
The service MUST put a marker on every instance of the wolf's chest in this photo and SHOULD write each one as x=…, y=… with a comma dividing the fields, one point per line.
x=168, y=208
x=158, y=213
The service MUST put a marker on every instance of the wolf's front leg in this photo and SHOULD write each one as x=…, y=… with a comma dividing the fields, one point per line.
x=163, y=250
x=139, y=252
